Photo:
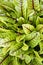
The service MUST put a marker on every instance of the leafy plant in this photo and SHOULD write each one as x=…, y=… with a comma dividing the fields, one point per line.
x=21, y=32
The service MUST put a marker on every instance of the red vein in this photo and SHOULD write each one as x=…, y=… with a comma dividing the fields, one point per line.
x=33, y=3
x=21, y=8
x=27, y=28
x=4, y=59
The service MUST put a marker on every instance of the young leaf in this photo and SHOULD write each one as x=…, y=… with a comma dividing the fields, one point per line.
x=28, y=28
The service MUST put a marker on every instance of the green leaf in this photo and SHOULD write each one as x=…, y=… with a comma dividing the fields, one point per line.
x=20, y=38
x=18, y=8
x=15, y=61
x=24, y=8
x=40, y=28
x=6, y=5
x=28, y=28
x=33, y=38
x=29, y=7
x=37, y=21
x=25, y=47
x=15, y=48
x=41, y=47
x=6, y=36
x=34, y=41
x=35, y=62
x=6, y=60
x=21, y=20
x=27, y=58
x=36, y=5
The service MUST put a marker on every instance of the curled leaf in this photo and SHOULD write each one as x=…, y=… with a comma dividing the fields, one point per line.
x=25, y=47
x=20, y=38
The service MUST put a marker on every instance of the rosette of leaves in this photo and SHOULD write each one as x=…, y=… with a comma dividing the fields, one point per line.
x=21, y=32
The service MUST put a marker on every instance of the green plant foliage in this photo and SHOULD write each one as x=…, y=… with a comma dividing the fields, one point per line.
x=21, y=32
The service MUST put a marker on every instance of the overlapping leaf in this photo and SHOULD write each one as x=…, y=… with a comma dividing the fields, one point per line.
x=21, y=32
